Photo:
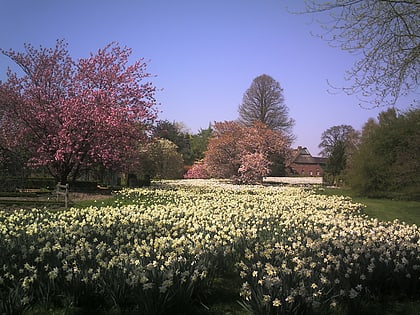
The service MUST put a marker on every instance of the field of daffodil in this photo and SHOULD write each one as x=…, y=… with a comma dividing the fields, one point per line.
x=158, y=250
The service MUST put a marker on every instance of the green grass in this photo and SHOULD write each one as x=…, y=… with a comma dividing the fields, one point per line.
x=383, y=209
x=111, y=201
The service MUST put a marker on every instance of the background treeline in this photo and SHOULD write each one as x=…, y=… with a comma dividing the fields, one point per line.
x=380, y=161
x=387, y=162
x=169, y=152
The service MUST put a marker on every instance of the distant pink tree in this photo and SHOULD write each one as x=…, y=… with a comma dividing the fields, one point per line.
x=197, y=170
x=71, y=115
x=243, y=153
x=254, y=167
x=222, y=158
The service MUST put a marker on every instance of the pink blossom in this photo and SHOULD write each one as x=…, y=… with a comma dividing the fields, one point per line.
x=73, y=114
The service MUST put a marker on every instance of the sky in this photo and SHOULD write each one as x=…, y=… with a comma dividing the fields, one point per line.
x=203, y=54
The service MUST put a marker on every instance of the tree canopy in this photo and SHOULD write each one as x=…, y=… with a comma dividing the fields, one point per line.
x=176, y=133
x=338, y=144
x=73, y=114
x=263, y=101
x=387, y=161
x=199, y=142
x=386, y=36
x=160, y=159
x=341, y=134
x=243, y=153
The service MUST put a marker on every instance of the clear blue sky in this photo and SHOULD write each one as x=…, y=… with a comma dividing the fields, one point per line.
x=205, y=54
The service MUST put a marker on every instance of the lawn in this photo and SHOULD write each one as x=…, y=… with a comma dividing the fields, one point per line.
x=383, y=209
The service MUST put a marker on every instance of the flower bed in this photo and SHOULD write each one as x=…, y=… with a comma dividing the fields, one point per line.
x=159, y=248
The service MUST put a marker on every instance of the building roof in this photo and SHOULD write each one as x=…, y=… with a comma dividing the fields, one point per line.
x=320, y=160
x=301, y=155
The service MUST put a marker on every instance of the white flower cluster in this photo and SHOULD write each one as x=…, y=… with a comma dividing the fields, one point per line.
x=163, y=245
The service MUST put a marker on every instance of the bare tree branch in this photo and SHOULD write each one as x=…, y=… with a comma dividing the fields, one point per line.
x=386, y=33
x=264, y=102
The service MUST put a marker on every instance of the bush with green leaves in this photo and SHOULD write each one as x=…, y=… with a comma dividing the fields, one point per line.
x=387, y=163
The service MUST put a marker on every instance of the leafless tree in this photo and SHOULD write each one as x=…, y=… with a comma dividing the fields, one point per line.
x=386, y=36
x=337, y=135
x=264, y=102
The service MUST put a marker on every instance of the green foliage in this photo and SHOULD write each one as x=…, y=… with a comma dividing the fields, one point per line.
x=12, y=163
x=83, y=186
x=198, y=143
x=338, y=144
x=336, y=162
x=175, y=132
x=387, y=163
x=189, y=147
x=160, y=159
x=277, y=166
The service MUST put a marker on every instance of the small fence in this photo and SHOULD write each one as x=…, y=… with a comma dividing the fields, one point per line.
x=63, y=190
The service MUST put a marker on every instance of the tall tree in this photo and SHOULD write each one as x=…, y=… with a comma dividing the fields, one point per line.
x=387, y=163
x=386, y=34
x=199, y=141
x=176, y=133
x=340, y=134
x=72, y=115
x=336, y=162
x=338, y=144
x=264, y=102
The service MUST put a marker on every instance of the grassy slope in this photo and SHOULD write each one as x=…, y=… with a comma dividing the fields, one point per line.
x=383, y=209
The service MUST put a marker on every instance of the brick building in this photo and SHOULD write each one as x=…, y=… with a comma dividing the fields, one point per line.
x=304, y=164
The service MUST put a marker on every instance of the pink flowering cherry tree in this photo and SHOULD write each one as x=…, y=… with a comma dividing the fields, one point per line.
x=243, y=153
x=70, y=114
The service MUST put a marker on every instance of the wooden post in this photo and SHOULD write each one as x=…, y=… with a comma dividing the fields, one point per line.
x=63, y=190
